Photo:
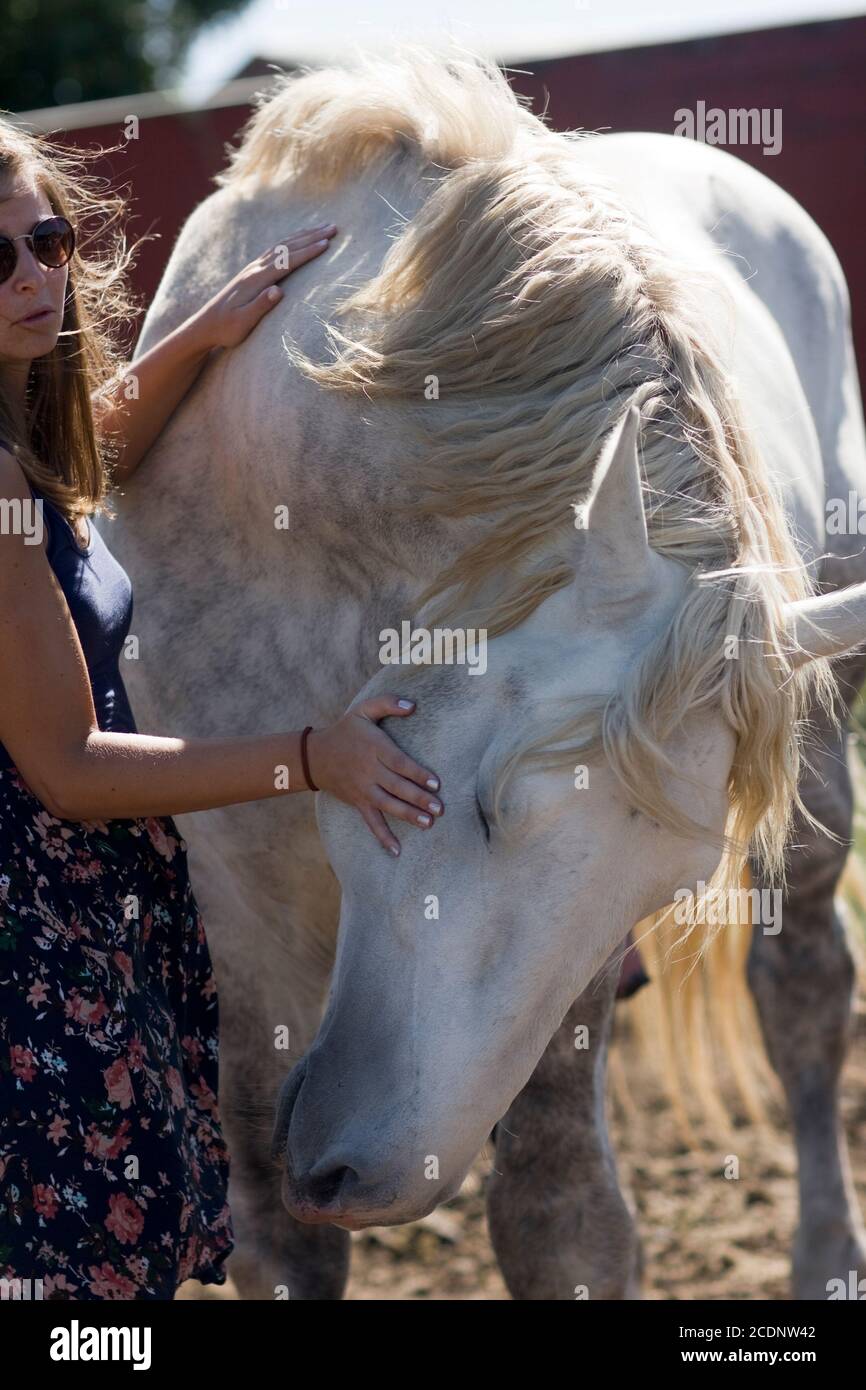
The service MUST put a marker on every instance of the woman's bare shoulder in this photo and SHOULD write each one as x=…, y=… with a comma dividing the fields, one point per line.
x=21, y=516
x=13, y=482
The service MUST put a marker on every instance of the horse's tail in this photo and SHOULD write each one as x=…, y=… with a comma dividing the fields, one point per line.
x=694, y=1034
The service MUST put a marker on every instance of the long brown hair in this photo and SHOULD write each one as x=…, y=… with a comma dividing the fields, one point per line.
x=54, y=435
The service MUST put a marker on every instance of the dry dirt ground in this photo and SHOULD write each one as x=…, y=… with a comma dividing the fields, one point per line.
x=704, y=1236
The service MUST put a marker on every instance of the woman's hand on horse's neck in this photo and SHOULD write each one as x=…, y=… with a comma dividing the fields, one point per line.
x=134, y=410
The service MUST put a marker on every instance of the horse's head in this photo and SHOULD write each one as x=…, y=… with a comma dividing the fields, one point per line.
x=457, y=961
x=520, y=300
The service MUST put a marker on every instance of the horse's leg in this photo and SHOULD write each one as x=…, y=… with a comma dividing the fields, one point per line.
x=272, y=968
x=558, y=1221
x=803, y=980
x=275, y=1256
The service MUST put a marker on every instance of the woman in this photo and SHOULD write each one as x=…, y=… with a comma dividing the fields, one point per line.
x=113, y=1167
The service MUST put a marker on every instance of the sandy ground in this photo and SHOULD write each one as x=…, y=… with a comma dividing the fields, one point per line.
x=704, y=1237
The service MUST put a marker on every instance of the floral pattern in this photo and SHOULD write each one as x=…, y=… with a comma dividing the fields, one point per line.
x=113, y=1167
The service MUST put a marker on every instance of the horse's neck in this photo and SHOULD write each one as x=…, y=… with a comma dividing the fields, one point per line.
x=257, y=435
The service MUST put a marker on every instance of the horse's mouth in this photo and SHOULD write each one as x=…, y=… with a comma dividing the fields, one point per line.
x=296, y=1201
x=311, y=1215
x=339, y=1197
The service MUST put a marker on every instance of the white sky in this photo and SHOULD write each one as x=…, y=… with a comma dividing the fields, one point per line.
x=506, y=30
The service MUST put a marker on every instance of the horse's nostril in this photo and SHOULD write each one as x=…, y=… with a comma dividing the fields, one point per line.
x=325, y=1188
x=285, y=1105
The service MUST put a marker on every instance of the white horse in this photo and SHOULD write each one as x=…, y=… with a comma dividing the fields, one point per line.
x=635, y=322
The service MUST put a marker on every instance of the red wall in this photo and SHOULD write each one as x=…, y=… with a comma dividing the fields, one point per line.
x=816, y=74
x=168, y=169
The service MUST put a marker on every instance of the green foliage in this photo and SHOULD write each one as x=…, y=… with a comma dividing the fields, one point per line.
x=58, y=51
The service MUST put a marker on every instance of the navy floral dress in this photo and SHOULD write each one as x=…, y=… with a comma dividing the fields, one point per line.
x=113, y=1167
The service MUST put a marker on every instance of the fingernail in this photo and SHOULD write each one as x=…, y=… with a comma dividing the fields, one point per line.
x=424, y=820
x=433, y=784
x=435, y=806
x=273, y=292
x=322, y=243
x=394, y=849
x=406, y=704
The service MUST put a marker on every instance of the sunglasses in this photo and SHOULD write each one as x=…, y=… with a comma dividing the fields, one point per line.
x=52, y=242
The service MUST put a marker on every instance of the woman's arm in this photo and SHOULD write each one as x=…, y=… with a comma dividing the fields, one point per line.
x=134, y=410
x=48, y=725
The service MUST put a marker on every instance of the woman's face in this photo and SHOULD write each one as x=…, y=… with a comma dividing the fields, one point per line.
x=31, y=300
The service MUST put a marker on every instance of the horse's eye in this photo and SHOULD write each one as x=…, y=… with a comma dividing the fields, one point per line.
x=483, y=819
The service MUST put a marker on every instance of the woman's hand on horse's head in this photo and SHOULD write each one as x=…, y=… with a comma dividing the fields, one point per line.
x=233, y=313
x=357, y=762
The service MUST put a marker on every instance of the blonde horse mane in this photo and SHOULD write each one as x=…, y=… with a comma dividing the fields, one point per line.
x=520, y=311
x=542, y=308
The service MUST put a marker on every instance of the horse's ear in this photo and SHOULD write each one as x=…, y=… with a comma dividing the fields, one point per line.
x=613, y=516
x=828, y=625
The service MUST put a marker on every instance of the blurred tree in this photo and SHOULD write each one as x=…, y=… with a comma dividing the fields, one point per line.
x=57, y=51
